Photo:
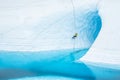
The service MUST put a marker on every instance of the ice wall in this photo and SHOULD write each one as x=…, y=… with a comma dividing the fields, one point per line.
x=34, y=25
x=106, y=48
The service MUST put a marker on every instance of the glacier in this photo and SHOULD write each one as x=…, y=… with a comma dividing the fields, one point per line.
x=106, y=47
x=36, y=40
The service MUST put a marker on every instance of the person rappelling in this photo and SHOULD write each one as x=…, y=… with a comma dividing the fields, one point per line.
x=75, y=36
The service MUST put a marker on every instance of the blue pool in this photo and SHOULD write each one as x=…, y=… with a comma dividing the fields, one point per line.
x=51, y=66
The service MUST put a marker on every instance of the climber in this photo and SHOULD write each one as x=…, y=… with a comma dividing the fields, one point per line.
x=75, y=35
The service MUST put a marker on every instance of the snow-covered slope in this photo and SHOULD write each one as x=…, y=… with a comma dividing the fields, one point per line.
x=106, y=48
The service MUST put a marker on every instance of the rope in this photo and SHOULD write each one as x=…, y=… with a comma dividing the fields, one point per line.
x=73, y=6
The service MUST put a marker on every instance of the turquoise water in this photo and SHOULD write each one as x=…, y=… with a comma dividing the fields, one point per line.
x=51, y=66
x=22, y=64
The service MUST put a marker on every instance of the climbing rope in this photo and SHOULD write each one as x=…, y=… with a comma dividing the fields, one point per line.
x=73, y=7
